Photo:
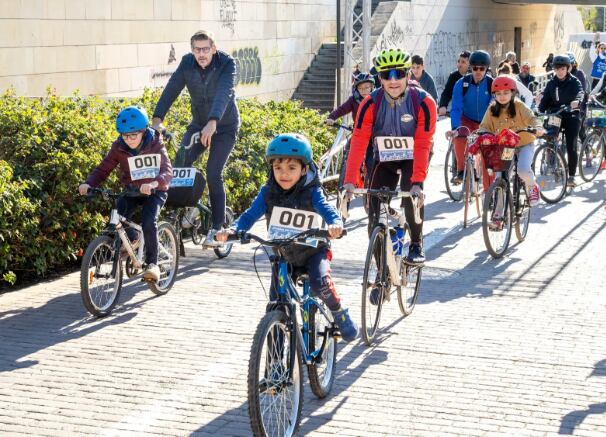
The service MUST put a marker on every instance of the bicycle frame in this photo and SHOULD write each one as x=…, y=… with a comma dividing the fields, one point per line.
x=330, y=162
x=117, y=224
x=288, y=296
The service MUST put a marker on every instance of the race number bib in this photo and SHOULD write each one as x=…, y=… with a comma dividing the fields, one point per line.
x=286, y=222
x=507, y=154
x=394, y=148
x=554, y=121
x=183, y=177
x=144, y=166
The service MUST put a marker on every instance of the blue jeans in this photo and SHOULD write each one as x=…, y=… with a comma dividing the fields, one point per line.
x=222, y=144
x=149, y=220
x=317, y=267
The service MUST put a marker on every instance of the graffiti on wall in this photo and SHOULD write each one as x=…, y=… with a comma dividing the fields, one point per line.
x=227, y=14
x=248, y=66
x=171, y=54
x=559, y=30
x=394, y=35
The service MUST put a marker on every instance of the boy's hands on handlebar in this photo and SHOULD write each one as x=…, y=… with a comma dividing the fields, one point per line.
x=147, y=188
x=83, y=189
x=329, y=122
x=574, y=104
x=335, y=231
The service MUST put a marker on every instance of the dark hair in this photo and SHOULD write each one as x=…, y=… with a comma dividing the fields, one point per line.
x=202, y=35
x=464, y=54
x=416, y=59
x=281, y=159
x=505, y=69
x=496, y=107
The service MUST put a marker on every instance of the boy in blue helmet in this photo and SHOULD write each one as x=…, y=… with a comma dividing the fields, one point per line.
x=293, y=183
x=151, y=177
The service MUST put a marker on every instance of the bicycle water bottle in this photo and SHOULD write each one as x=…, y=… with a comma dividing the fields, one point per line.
x=397, y=240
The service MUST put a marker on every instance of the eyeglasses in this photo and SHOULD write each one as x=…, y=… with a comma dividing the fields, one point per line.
x=478, y=68
x=365, y=88
x=204, y=50
x=393, y=74
x=131, y=135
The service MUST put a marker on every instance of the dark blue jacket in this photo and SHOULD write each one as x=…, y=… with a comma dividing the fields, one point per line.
x=560, y=92
x=211, y=89
x=472, y=103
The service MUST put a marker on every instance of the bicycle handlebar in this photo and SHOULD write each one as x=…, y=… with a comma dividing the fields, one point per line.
x=342, y=126
x=107, y=194
x=246, y=237
x=563, y=108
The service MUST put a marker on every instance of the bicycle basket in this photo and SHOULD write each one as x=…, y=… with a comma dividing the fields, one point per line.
x=496, y=156
x=185, y=191
x=552, y=125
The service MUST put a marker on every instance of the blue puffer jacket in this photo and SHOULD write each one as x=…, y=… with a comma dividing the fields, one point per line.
x=211, y=90
x=472, y=103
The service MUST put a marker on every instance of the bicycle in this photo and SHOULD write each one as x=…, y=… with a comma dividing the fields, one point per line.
x=101, y=272
x=593, y=149
x=506, y=200
x=469, y=188
x=283, y=342
x=187, y=211
x=385, y=266
x=549, y=163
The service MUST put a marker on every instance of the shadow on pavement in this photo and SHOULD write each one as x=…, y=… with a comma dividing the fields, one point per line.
x=573, y=419
x=236, y=420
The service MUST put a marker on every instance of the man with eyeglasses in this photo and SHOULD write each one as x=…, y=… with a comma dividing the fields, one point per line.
x=462, y=70
x=210, y=78
x=527, y=79
x=400, y=120
x=470, y=100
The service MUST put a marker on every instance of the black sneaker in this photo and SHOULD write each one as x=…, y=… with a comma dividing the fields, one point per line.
x=375, y=296
x=458, y=178
x=416, y=255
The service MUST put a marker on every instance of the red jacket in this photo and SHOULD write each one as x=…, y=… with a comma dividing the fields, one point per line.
x=363, y=128
x=118, y=157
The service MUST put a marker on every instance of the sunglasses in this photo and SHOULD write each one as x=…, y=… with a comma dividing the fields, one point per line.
x=476, y=68
x=393, y=74
x=131, y=135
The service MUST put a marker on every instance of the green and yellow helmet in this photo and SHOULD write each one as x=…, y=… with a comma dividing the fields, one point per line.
x=393, y=59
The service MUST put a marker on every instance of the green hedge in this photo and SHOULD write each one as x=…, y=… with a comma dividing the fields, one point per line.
x=49, y=145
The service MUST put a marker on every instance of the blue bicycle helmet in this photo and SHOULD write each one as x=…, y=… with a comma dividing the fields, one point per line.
x=290, y=146
x=131, y=119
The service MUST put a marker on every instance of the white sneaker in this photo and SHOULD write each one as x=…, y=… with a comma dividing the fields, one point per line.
x=210, y=240
x=189, y=218
x=151, y=273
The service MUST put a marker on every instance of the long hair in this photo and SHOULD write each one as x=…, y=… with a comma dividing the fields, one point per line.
x=496, y=108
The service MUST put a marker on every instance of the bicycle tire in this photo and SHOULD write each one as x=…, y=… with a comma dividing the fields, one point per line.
x=591, y=147
x=522, y=212
x=274, y=382
x=224, y=250
x=321, y=384
x=106, y=248
x=547, y=161
x=466, y=191
x=167, y=239
x=407, y=301
x=490, y=204
x=450, y=170
x=376, y=245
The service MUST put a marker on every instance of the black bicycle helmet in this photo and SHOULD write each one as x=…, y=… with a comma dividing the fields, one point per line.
x=560, y=60
x=480, y=57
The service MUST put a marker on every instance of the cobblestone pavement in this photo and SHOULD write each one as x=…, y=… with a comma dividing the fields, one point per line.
x=511, y=347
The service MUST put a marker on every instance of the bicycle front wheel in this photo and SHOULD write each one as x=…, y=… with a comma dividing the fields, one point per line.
x=591, y=156
x=551, y=173
x=100, y=281
x=522, y=212
x=450, y=172
x=374, y=284
x=497, y=218
x=275, y=382
x=323, y=346
x=168, y=259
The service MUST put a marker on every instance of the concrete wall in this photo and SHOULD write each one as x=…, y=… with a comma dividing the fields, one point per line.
x=118, y=47
x=440, y=29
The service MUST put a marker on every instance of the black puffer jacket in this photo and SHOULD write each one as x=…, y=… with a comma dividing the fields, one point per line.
x=561, y=92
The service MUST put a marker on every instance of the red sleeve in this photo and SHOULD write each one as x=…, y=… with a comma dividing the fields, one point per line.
x=166, y=171
x=426, y=127
x=104, y=169
x=359, y=140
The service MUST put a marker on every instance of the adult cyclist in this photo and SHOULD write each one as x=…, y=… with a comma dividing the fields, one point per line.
x=470, y=99
x=396, y=110
x=565, y=89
